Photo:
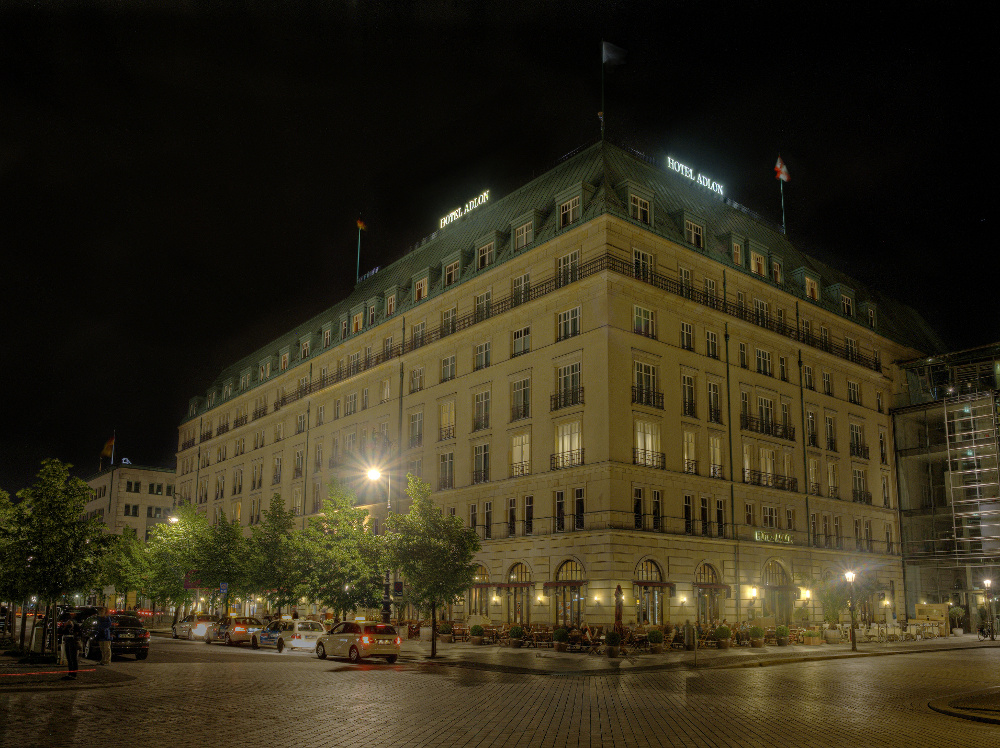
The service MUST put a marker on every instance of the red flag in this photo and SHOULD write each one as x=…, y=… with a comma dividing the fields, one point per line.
x=361, y=225
x=781, y=171
x=109, y=446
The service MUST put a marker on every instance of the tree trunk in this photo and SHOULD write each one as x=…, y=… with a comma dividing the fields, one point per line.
x=34, y=622
x=434, y=628
x=24, y=616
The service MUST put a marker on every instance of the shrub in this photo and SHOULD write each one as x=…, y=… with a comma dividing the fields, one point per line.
x=756, y=632
x=655, y=636
x=723, y=633
x=517, y=633
x=614, y=639
x=810, y=634
x=781, y=631
x=476, y=630
x=560, y=635
x=956, y=612
x=444, y=628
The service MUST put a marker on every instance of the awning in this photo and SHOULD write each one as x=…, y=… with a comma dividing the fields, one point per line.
x=711, y=586
x=503, y=585
x=647, y=583
x=569, y=583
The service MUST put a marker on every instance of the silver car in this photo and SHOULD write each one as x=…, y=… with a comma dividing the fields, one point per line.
x=193, y=626
x=359, y=639
x=288, y=634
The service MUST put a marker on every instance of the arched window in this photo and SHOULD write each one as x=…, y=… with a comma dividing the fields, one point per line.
x=777, y=593
x=707, y=587
x=519, y=596
x=479, y=594
x=569, y=596
x=648, y=598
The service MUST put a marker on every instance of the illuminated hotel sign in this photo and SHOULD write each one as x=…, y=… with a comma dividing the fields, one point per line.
x=688, y=172
x=772, y=537
x=459, y=212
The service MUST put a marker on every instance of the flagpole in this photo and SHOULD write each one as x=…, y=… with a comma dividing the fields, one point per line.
x=602, y=89
x=357, y=268
x=784, y=229
x=114, y=438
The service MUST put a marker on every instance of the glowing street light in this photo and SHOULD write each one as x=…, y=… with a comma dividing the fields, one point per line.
x=375, y=475
x=849, y=576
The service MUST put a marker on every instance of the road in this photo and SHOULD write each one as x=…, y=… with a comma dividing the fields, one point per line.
x=190, y=693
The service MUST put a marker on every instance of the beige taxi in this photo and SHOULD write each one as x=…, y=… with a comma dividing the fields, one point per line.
x=357, y=640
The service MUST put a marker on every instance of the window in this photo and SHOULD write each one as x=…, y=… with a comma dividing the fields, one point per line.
x=523, y=235
x=687, y=336
x=567, y=268
x=520, y=399
x=647, y=444
x=484, y=306
x=776, y=271
x=690, y=456
x=639, y=209
x=720, y=517
x=418, y=331
x=744, y=361
x=416, y=429
x=371, y=315
x=807, y=378
x=473, y=516
x=824, y=337
x=356, y=322
x=448, y=368
x=300, y=423
x=578, y=507
x=353, y=363
x=714, y=408
x=789, y=519
x=448, y=321
x=386, y=391
x=765, y=411
x=420, y=289
x=568, y=324
x=854, y=392
x=871, y=318
x=446, y=470
x=351, y=404
x=482, y=357
x=520, y=454
x=446, y=419
x=481, y=464
x=831, y=433
x=568, y=443
x=783, y=368
x=710, y=291
x=847, y=305
x=482, y=411
x=852, y=348
x=827, y=383
x=684, y=276
x=344, y=329
x=748, y=514
x=644, y=264
x=451, y=273
x=812, y=289
x=484, y=256
x=390, y=305
x=694, y=234
x=757, y=264
x=764, y=362
x=521, y=341
x=569, y=212
x=643, y=322
x=762, y=312
x=284, y=361
x=687, y=395
x=831, y=480
x=417, y=379
x=520, y=288
x=568, y=383
x=529, y=514
x=688, y=513
x=769, y=517
x=738, y=254
x=711, y=344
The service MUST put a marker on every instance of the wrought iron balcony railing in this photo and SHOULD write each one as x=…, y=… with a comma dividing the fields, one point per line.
x=646, y=396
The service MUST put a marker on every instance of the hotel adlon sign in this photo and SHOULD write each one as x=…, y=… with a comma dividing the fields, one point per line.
x=688, y=172
x=772, y=537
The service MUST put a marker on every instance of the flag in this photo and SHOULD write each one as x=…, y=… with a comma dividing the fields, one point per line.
x=109, y=447
x=612, y=55
x=361, y=225
x=781, y=171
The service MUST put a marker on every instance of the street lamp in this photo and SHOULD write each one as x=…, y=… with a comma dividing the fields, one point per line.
x=849, y=576
x=989, y=608
x=374, y=475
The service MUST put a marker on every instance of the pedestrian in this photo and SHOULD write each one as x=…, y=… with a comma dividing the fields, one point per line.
x=104, y=637
x=70, y=630
x=295, y=614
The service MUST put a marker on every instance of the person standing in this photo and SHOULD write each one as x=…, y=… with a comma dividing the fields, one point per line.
x=104, y=637
x=70, y=630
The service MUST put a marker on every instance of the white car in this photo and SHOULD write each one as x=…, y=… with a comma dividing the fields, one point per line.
x=288, y=633
x=193, y=626
x=356, y=640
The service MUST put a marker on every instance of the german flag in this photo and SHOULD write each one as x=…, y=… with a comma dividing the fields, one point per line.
x=109, y=448
x=361, y=225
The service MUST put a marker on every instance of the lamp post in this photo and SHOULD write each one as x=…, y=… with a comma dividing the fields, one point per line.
x=374, y=475
x=849, y=576
x=989, y=608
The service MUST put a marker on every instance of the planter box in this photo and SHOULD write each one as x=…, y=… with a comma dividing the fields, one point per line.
x=757, y=643
x=831, y=636
x=957, y=631
x=515, y=643
x=559, y=646
x=475, y=640
x=782, y=641
x=446, y=638
x=723, y=643
x=613, y=651
x=656, y=649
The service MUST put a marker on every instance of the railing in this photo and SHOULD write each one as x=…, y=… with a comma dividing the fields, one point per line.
x=417, y=440
x=689, y=408
x=691, y=467
x=771, y=480
x=715, y=415
x=480, y=476
x=833, y=492
x=240, y=421
x=276, y=479
x=519, y=469
x=813, y=440
x=861, y=497
x=715, y=471
x=814, y=489
x=766, y=426
x=446, y=481
x=562, y=460
x=567, y=397
x=648, y=459
x=646, y=331
x=480, y=422
x=519, y=412
x=859, y=450
x=259, y=412
x=446, y=432
x=646, y=396
x=221, y=429
x=831, y=444
x=188, y=444
x=206, y=435
x=296, y=473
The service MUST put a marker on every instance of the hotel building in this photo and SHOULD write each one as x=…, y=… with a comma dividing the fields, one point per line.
x=616, y=376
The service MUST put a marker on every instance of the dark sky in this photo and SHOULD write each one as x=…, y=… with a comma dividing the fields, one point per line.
x=179, y=182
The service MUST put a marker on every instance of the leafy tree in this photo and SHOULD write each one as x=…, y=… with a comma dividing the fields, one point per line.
x=342, y=562
x=275, y=552
x=126, y=564
x=834, y=596
x=433, y=551
x=172, y=554
x=223, y=556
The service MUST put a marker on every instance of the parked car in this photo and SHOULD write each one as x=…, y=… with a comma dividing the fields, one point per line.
x=193, y=626
x=293, y=634
x=233, y=630
x=359, y=639
x=128, y=636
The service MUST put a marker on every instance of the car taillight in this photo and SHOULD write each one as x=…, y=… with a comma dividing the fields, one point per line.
x=399, y=641
x=145, y=635
x=296, y=636
x=365, y=640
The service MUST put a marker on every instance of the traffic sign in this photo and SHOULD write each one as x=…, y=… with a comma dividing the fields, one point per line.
x=224, y=587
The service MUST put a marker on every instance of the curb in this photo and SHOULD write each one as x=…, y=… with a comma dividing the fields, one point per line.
x=943, y=706
x=839, y=656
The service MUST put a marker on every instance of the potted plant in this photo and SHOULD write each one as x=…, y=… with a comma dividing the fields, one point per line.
x=614, y=642
x=957, y=612
x=831, y=634
x=655, y=638
x=559, y=639
x=444, y=633
x=781, y=635
x=516, y=635
x=723, y=637
x=756, y=637
x=476, y=634
x=812, y=637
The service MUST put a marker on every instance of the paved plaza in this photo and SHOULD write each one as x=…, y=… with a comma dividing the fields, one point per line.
x=192, y=693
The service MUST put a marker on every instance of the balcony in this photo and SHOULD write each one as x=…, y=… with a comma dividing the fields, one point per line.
x=645, y=396
x=240, y=421
x=715, y=471
x=689, y=408
x=861, y=497
x=446, y=481
x=416, y=440
x=297, y=472
x=691, y=467
x=831, y=444
x=446, y=432
x=206, y=435
x=766, y=426
x=813, y=441
x=221, y=429
x=859, y=450
x=480, y=476
x=562, y=460
x=519, y=469
x=814, y=489
x=715, y=415
x=520, y=412
x=648, y=458
x=833, y=492
x=646, y=330
x=276, y=479
x=566, y=398
x=259, y=412
x=480, y=422
x=188, y=443
x=771, y=480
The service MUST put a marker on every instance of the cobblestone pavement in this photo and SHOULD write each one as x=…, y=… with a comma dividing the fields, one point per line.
x=190, y=692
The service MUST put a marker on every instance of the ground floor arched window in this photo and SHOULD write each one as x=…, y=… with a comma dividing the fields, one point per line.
x=709, y=590
x=778, y=593
x=568, y=596
x=649, y=598
x=479, y=593
x=519, y=595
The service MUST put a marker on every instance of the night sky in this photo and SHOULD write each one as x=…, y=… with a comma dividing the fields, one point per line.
x=179, y=182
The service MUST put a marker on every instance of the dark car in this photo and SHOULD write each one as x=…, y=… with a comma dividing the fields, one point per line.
x=128, y=636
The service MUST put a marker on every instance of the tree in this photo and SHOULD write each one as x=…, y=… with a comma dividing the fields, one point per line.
x=433, y=551
x=833, y=595
x=172, y=553
x=275, y=556
x=342, y=562
x=126, y=564
x=223, y=557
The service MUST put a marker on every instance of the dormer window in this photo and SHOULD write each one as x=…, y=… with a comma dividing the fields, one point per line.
x=357, y=321
x=284, y=361
x=738, y=254
x=484, y=256
x=639, y=209
x=343, y=329
x=569, y=212
x=420, y=289
x=371, y=315
x=847, y=305
x=264, y=371
x=812, y=289
x=327, y=337
x=524, y=235
x=390, y=305
x=451, y=274
x=776, y=271
x=871, y=318
x=757, y=263
x=694, y=233
x=304, y=349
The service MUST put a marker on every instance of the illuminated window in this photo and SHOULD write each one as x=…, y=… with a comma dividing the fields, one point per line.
x=284, y=361
x=451, y=273
x=420, y=289
x=812, y=289
x=327, y=337
x=639, y=209
x=694, y=234
x=524, y=235
x=356, y=322
x=569, y=212
x=390, y=305
x=757, y=264
x=304, y=350
x=485, y=256
x=847, y=305
x=738, y=254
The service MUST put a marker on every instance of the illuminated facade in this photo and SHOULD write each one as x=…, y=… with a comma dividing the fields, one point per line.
x=131, y=496
x=617, y=377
